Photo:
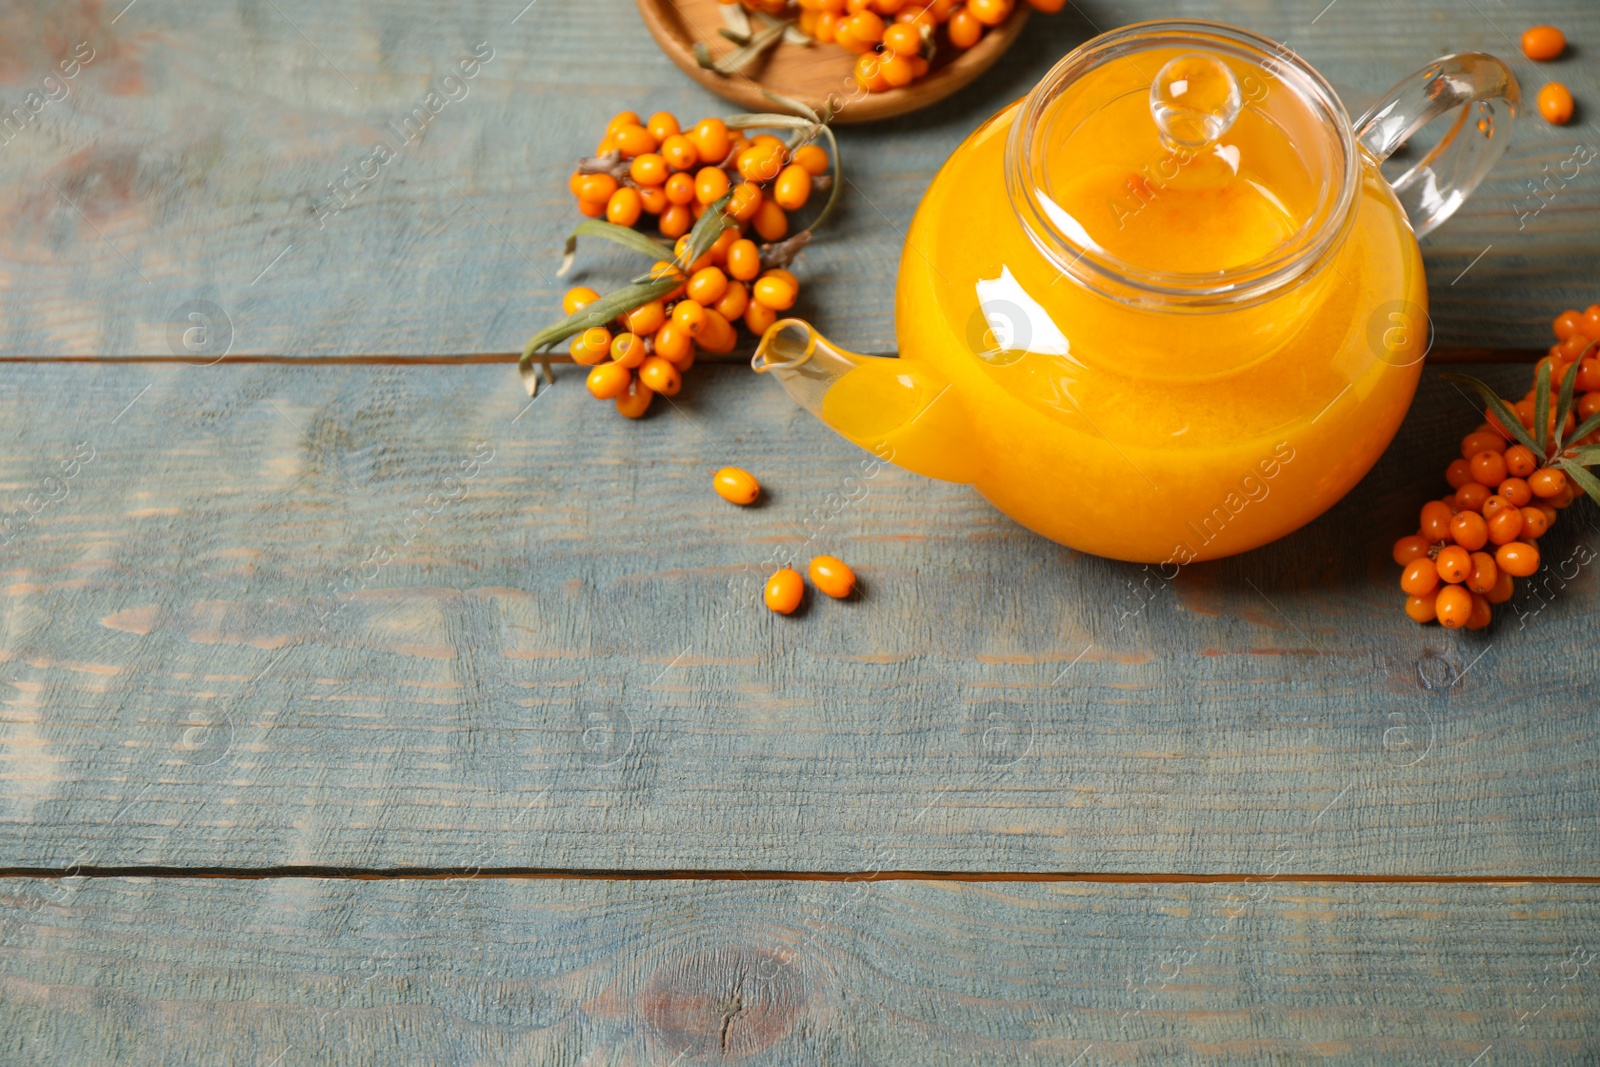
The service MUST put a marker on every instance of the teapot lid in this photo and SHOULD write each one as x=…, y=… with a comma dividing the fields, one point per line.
x=1183, y=163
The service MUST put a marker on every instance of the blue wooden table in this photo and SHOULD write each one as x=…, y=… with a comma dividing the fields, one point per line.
x=354, y=710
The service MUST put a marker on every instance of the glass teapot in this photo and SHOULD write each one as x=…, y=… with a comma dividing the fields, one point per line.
x=1166, y=308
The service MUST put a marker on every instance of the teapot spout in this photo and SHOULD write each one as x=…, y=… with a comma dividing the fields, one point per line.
x=899, y=409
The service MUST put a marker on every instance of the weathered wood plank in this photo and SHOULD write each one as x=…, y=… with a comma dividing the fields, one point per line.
x=193, y=157
x=281, y=618
x=307, y=971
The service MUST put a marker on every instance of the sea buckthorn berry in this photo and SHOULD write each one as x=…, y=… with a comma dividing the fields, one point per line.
x=1590, y=326
x=1567, y=323
x=675, y=221
x=1420, y=577
x=1506, y=525
x=758, y=318
x=866, y=26
x=793, y=187
x=902, y=39
x=689, y=317
x=718, y=336
x=1555, y=104
x=784, y=591
x=636, y=401
x=746, y=200
x=734, y=301
x=627, y=350
x=827, y=30
x=710, y=139
x=575, y=184
x=1543, y=42
x=736, y=486
x=1520, y=461
x=869, y=72
x=1494, y=505
x=597, y=188
x=591, y=346
x=1409, y=548
x=707, y=285
x=775, y=292
x=1534, y=523
x=813, y=158
x=607, y=381
x=624, y=207
x=1570, y=349
x=653, y=199
x=1518, y=559
x=662, y=124
x=633, y=141
x=1422, y=608
x=990, y=12
x=710, y=184
x=680, y=188
x=761, y=162
x=844, y=37
x=1481, y=615
x=833, y=576
x=1459, y=473
x=665, y=269
x=648, y=169
x=770, y=223
x=1503, y=589
x=1435, y=522
x=660, y=376
x=1547, y=482
x=672, y=343
x=1588, y=379
x=1481, y=441
x=1453, y=563
x=1472, y=496
x=964, y=28
x=1470, y=530
x=1516, y=491
x=1489, y=468
x=898, y=70
x=623, y=118
x=577, y=298
x=1484, y=573
x=719, y=248
x=744, y=260
x=646, y=319
x=1454, y=607
x=680, y=153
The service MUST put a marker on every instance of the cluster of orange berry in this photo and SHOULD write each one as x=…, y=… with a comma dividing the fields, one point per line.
x=895, y=40
x=654, y=167
x=1506, y=493
x=677, y=177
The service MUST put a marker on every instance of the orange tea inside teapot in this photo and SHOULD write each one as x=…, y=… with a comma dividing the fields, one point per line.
x=1167, y=307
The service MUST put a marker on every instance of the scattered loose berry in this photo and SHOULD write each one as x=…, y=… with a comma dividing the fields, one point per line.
x=833, y=576
x=784, y=591
x=1555, y=104
x=736, y=486
x=1543, y=42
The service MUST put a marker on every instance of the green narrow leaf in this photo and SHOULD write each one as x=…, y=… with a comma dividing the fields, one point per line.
x=1564, y=402
x=625, y=236
x=1588, y=456
x=599, y=313
x=1541, y=409
x=1501, y=409
x=706, y=231
x=1586, y=481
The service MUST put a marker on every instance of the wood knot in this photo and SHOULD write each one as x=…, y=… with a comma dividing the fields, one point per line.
x=726, y=1002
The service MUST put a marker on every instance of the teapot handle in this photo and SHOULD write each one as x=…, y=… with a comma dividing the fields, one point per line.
x=1487, y=96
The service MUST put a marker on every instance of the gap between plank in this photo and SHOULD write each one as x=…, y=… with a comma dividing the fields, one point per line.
x=667, y=875
x=1438, y=356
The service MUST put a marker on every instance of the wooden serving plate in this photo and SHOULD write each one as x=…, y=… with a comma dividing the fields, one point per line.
x=810, y=73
